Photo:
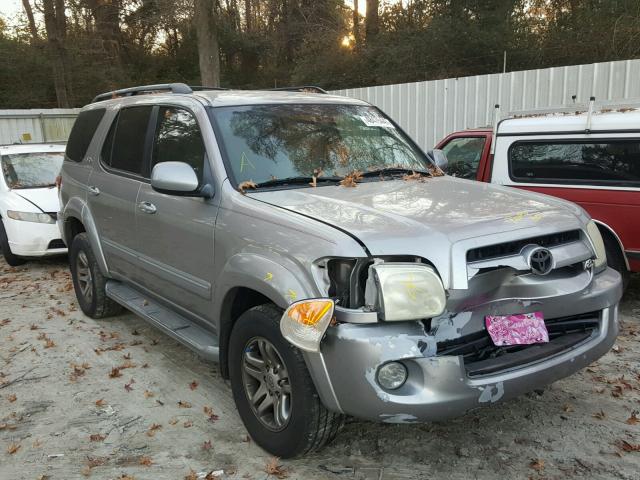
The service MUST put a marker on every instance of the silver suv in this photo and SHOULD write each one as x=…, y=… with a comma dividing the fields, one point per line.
x=305, y=243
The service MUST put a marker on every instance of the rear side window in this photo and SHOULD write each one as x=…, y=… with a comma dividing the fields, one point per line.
x=178, y=139
x=129, y=139
x=613, y=163
x=463, y=155
x=82, y=132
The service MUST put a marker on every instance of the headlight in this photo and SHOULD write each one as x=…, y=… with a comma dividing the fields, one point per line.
x=304, y=323
x=598, y=244
x=31, y=217
x=404, y=291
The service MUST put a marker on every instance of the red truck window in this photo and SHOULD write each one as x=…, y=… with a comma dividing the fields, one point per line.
x=464, y=154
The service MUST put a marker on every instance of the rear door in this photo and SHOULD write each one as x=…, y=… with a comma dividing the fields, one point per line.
x=176, y=232
x=114, y=184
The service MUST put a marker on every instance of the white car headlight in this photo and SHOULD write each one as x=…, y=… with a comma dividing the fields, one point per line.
x=404, y=291
x=30, y=217
x=598, y=244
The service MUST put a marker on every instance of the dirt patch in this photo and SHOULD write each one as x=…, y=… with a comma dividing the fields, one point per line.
x=101, y=399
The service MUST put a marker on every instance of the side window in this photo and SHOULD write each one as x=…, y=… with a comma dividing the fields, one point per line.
x=178, y=139
x=82, y=132
x=107, y=146
x=591, y=162
x=464, y=154
x=129, y=141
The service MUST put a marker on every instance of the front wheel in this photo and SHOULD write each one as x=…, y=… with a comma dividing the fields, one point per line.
x=273, y=390
x=9, y=257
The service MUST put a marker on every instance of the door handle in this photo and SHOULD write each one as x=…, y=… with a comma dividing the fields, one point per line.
x=147, y=207
x=95, y=191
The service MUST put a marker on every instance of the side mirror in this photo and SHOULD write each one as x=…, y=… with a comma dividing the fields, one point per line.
x=178, y=178
x=439, y=158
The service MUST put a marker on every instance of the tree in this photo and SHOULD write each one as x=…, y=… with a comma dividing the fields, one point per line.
x=208, y=51
x=32, y=22
x=56, y=26
x=371, y=24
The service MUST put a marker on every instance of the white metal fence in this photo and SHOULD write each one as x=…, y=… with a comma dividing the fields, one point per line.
x=36, y=126
x=430, y=110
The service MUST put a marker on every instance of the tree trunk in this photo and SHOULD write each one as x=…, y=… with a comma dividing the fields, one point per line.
x=207, y=33
x=371, y=20
x=32, y=22
x=356, y=23
x=55, y=38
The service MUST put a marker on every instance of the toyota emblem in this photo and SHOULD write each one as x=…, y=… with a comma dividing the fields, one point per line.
x=541, y=261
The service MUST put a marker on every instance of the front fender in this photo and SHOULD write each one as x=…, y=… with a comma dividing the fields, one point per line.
x=78, y=209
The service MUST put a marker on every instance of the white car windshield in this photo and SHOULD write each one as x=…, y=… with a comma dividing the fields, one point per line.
x=31, y=170
x=269, y=142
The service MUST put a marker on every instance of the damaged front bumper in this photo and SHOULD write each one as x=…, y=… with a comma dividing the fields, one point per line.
x=446, y=377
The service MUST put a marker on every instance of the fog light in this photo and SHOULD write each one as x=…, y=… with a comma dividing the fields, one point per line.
x=392, y=375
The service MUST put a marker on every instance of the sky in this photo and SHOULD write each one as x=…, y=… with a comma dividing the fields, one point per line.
x=8, y=8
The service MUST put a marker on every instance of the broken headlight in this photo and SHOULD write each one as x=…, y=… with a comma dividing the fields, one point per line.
x=404, y=291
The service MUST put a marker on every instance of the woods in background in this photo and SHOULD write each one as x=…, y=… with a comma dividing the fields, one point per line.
x=63, y=52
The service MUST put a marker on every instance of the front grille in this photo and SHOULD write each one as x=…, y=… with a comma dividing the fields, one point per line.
x=482, y=357
x=58, y=243
x=515, y=247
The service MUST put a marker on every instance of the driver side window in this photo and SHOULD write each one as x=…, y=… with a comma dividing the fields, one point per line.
x=178, y=139
x=463, y=155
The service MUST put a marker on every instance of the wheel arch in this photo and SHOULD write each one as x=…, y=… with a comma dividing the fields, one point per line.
x=77, y=218
x=606, y=230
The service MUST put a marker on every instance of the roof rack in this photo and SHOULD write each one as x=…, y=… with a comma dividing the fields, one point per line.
x=128, y=92
x=303, y=88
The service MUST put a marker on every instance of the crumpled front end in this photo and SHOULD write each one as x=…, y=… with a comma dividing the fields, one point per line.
x=452, y=364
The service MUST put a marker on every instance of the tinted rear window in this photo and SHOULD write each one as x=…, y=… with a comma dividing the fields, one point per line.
x=128, y=153
x=82, y=133
x=596, y=162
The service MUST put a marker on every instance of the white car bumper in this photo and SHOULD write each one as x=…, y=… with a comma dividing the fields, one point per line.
x=29, y=239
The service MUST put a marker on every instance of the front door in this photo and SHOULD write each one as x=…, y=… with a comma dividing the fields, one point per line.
x=113, y=188
x=176, y=232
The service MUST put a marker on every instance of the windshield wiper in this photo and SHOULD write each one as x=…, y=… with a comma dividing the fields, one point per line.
x=276, y=182
x=395, y=171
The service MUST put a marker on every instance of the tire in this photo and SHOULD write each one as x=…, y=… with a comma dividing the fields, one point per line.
x=88, y=281
x=615, y=258
x=9, y=257
x=309, y=425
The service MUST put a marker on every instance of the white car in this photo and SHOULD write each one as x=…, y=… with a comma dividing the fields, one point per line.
x=29, y=201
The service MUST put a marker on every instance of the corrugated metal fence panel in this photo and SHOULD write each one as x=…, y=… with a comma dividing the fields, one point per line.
x=428, y=111
x=34, y=126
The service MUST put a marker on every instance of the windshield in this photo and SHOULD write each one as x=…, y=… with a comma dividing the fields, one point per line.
x=31, y=170
x=269, y=142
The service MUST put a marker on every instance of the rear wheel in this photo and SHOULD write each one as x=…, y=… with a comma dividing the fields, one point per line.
x=88, y=281
x=9, y=257
x=273, y=390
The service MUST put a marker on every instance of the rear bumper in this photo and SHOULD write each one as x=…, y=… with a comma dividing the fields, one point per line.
x=28, y=239
x=439, y=386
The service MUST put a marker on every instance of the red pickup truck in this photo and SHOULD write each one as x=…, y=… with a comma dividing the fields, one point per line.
x=591, y=158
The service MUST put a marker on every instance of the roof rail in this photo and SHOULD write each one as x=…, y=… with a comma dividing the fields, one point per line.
x=199, y=88
x=601, y=106
x=127, y=92
x=303, y=88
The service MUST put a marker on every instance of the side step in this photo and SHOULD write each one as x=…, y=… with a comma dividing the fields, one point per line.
x=175, y=325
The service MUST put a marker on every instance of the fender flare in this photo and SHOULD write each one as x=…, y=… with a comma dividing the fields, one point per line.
x=615, y=236
x=78, y=209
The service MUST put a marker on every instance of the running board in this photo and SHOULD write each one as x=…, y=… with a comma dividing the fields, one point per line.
x=176, y=326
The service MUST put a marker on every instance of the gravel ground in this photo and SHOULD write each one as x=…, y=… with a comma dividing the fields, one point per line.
x=117, y=399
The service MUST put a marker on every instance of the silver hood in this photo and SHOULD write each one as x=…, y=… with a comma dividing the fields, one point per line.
x=400, y=217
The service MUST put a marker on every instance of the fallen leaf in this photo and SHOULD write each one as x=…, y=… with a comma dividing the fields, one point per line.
x=100, y=402
x=600, y=415
x=146, y=461
x=192, y=475
x=13, y=448
x=351, y=179
x=206, y=445
x=127, y=356
x=49, y=343
x=413, y=176
x=115, y=372
x=173, y=421
x=128, y=387
x=193, y=385
x=247, y=184
x=153, y=429
x=97, y=437
x=188, y=424
x=12, y=398
x=633, y=419
x=567, y=408
x=182, y=404
x=537, y=464
x=273, y=468
x=148, y=394
x=628, y=447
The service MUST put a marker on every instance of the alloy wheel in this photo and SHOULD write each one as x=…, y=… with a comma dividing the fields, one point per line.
x=85, y=280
